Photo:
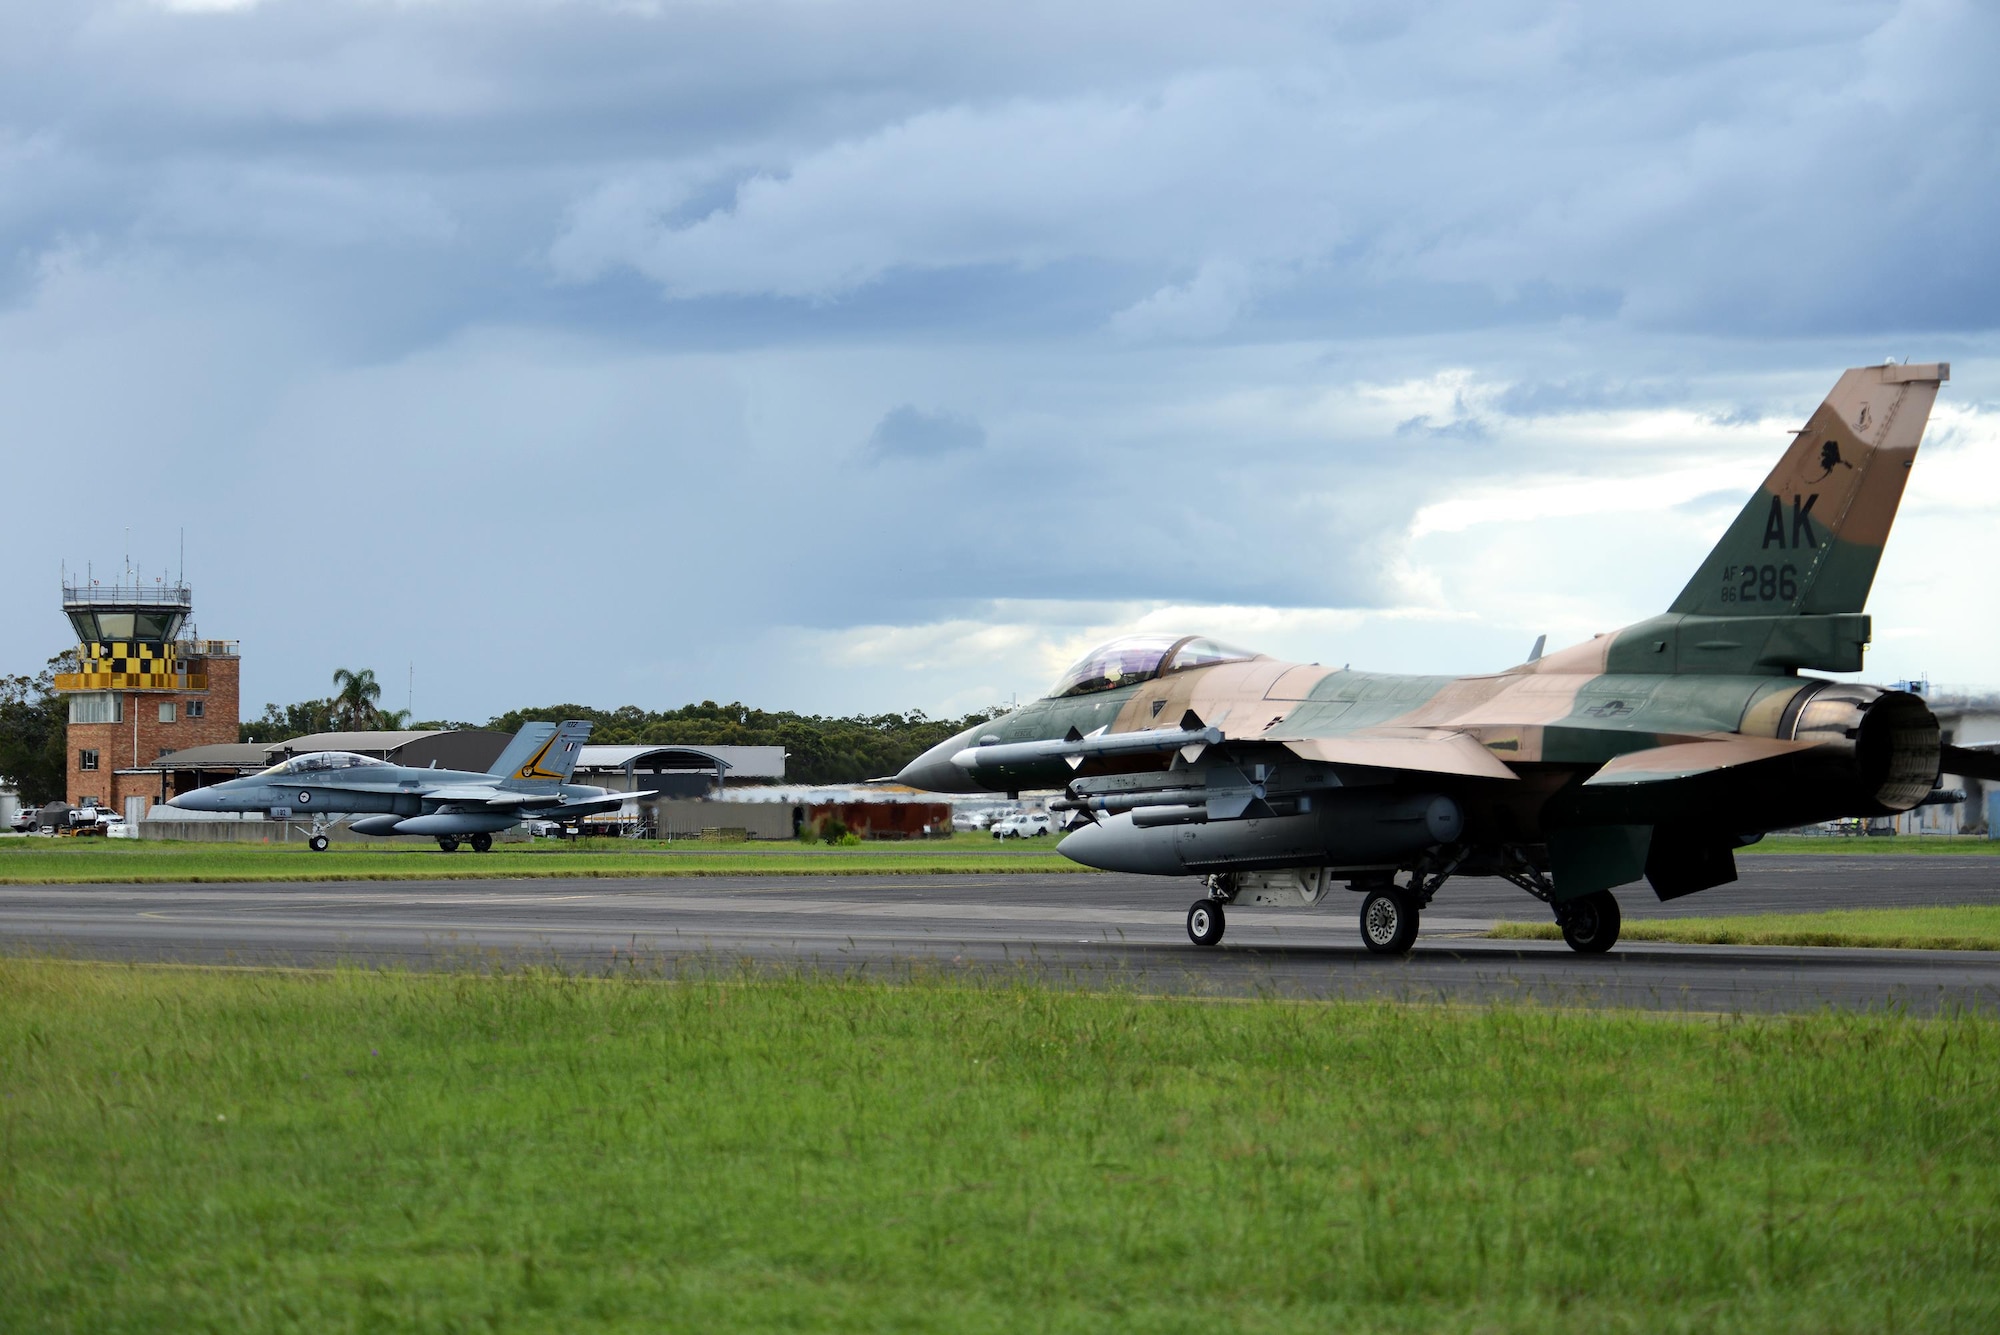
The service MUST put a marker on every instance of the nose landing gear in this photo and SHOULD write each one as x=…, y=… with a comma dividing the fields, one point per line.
x=1205, y=922
x=1389, y=917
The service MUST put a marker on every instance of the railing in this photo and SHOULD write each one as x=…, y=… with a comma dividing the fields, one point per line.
x=127, y=595
x=205, y=649
x=131, y=681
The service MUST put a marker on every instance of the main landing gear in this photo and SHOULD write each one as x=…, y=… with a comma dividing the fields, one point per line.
x=1590, y=923
x=448, y=843
x=481, y=843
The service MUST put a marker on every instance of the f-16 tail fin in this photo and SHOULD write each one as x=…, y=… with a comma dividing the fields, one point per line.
x=1811, y=537
x=544, y=752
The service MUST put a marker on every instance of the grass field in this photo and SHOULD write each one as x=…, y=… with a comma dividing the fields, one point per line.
x=210, y=1150
x=1974, y=927
x=71, y=861
x=1914, y=843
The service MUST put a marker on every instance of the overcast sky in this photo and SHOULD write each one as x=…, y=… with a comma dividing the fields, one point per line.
x=878, y=356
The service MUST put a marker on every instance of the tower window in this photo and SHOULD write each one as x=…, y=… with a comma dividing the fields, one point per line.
x=166, y=711
x=196, y=708
x=97, y=707
x=86, y=760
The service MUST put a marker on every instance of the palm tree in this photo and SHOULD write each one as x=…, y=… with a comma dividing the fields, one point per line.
x=354, y=697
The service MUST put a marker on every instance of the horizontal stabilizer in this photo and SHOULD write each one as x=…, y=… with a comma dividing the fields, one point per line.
x=1683, y=760
x=588, y=806
x=1973, y=762
x=1427, y=751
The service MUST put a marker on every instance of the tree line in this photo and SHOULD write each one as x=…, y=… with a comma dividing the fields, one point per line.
x=819, y=749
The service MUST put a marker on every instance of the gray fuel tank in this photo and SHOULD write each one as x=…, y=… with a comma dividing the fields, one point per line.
x=1347, y=829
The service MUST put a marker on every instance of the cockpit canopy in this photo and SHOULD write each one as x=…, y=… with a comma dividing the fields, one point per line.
x=1137, y=658
x=320, y=761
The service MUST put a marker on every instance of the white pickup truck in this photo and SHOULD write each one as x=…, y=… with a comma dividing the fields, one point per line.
x=1023, y=825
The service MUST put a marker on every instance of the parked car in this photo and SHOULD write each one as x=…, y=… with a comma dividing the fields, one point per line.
x=971, y=822
x=1023, y=825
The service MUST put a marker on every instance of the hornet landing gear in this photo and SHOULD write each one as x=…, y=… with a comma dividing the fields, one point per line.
x=318, y=843
x=448, y=843
x=1590, y=924
x=482, y=843
x=1205, y=922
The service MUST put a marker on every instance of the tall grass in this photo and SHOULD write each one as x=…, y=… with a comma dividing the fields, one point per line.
x=209, y=1150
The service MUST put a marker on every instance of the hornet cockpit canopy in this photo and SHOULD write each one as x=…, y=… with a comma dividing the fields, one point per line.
x=1136, y=658
x=320, y=761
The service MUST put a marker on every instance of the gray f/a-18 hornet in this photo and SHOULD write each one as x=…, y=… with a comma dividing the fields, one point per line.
x=530, y=781
x=1655, y=751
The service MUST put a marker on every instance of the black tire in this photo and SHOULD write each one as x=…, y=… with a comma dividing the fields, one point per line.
x=317, y=843
x=1388, y=922
x=1590, y=924
x=447, y=844
x=1205, y=922
x=482, y=843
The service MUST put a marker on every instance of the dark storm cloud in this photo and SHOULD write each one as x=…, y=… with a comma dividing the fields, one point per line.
x=389, y=287
x=911, y=432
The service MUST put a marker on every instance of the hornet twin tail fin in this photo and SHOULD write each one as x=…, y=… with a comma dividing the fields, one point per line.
x=542, y=753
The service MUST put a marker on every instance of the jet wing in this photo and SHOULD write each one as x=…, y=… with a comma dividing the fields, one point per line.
x=485, y=796
x=1430, y=750
x=1684, y=760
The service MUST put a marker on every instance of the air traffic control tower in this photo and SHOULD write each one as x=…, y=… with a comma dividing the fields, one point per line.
x=141, y=690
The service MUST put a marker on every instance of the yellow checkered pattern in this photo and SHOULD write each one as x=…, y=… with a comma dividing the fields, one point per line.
x=130, y=666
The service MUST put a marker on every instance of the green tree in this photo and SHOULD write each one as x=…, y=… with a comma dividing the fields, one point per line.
x=34, y=733
x=281, y=724
x=354, y=699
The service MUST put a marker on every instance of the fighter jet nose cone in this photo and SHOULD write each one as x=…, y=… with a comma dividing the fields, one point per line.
x=933, y=771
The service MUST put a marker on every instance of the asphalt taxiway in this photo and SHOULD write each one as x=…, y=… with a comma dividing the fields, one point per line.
x=1083, y=930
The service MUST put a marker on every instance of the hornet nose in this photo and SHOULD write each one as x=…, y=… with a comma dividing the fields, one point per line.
x=201, y=799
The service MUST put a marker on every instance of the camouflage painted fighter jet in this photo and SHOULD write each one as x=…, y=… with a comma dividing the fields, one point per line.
x=530, y=781
x=1653, y=752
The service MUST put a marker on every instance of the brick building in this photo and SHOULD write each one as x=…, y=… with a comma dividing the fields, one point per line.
x=142, y=690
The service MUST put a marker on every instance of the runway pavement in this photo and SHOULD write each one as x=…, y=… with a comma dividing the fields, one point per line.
x=1073, y=930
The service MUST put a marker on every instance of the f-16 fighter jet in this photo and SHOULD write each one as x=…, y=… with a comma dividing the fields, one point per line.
x=1652, y=752
x=530, y=781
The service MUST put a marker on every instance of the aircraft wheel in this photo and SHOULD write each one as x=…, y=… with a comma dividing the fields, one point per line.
x=482, y=843
x=447, y=844
x=317, y=843
x=1590, y=924
x=1205, y=923
x=1388, y=922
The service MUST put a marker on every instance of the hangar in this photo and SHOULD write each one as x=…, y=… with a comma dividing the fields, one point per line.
x=678, y=771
